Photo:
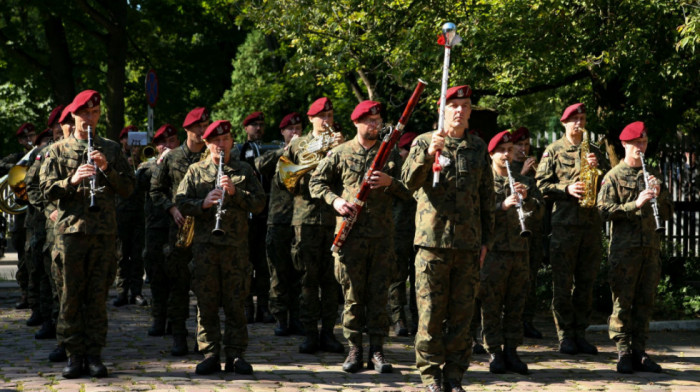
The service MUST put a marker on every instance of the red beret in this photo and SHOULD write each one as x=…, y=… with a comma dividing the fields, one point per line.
x=571, y=110
x=125, y=131
x=253, y=117
x=65, y=114
x=365, y=107
x=519, y=134
x=406, y=140
x=500, y=138
x=165, y=131
x=45, y=133
x=320, y=105
x=290, y=119
x=86, y=99
x=194, y=116
x=457, y=92
x=25, y=128
x=55, y=114
x=217, y=128
x=634, y=130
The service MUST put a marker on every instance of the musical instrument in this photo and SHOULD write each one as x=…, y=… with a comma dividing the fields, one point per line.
x=589, y=175
x=148, y=152
x=93, y=179
x=654, y=203
x=310, y=152
x=448, y=38
x=218, y=231
x=16, y=202
x=524, y=232
x=378, y=163
x=185, y=233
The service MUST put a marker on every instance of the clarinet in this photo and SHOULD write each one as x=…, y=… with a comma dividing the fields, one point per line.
x=654, y=203
x=524, y=232
x=218, y=231
x=93, y=179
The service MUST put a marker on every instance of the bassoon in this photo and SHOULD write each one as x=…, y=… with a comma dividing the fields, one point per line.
x=391, y=138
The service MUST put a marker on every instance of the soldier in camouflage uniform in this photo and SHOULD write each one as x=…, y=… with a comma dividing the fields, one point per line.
x=164, y=184
x=86, y=238
x=220, y=267
x=635, y=266
x=284, y=279
x=575, y=247
x=313, y=222
x=365, y=265
x=526, y=165
x=157, y=222
x=504, y=278
x=454, y=230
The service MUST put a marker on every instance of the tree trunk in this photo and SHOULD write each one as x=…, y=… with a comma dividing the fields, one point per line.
x=116, y=68
x=60, y=69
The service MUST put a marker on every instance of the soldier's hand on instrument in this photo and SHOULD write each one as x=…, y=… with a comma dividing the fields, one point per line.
x=644, y=197
x=99, y=159
x=83, y=172
x=228, y=186
x=592, y=159
x=54, y=215
x=379, y=179
x=530, y=164
x=510, y=201
x=576, y=189
x=521, y=189
x=177, y=216
x=654, y=184
x=338, y=138
x=344, y=207
x=212, y=198
x=436, y=143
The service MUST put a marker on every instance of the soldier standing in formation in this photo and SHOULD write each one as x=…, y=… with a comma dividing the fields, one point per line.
x=364, y=266
x=86, y=238
x=454, y=230
x=220, y=266
x=164, y=183
x=576, y=247
x=635, y=267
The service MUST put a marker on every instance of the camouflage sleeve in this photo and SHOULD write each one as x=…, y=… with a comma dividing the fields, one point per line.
x=266, y=163
x=120, y=175
x=534, y=203
x=487, y=198
x=36, y=198
x=251, y=197
x=610, y=204
x=417, y=167
x=186, y=198
x=393, y=169
x=547, y=180
x=324, y=178
x=160, y=185
x=55, y=184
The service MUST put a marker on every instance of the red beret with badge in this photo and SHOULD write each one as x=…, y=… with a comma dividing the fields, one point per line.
x=65, y=114
x=322, y=104
x=519, y=134
x=577, y=108
x=164, y=132
x=85, y=99
x=457, y=92
x=633, y=131
x=25, y=128
x=365, y=108
x=255, y=116
x=194, y=116
x=217, y=128
x=406, y=140
x=125, y=131
x=54, y=116
x=46, y=133
x=292, y=118
x=500, y=138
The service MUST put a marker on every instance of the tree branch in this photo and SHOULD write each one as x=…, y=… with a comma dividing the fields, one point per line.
x=17, y=51
x=367, y=83
x=96, y=15
x=585, y=73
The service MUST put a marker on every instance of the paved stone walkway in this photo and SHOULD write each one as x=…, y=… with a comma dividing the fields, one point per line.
x=138, y=362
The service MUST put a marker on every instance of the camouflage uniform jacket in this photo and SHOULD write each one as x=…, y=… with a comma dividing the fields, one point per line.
x=343, y=170
x=62, y=161
x=34, y=195
x=281, y=205
x=155, y=217
x=458, y=212
x=560, y=167
x=167, y=175
x=507, y=234
x=631, y=227
x=307, y=210
x=249, y=197
x=9, y=161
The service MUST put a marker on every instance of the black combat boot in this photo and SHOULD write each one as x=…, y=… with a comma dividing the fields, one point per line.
x=157, y=328
x=436, y=387
x=35, y=319
x=121, y=300
x=643, y=363
x=310, y=343
x=22, y=303
x=58, y=354
x=400, y=328
x=281, y=328
x=568, y=346
x=529, y=331
x=624, y=362
x=179, y=345
x=513, y=362
x=497, y=362
x=263, y=314
x=353, y=362
x=295, y=326
x=47, y=331
x=237, y=364
x=95, y=366
x=328, y=342
x=74, y=369
x=584, y=347
x=211, y=364
x=138, y=300
x=453, y=386
x=377, y=361
x=477, y=348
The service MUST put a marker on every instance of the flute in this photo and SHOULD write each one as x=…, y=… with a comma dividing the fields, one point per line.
x=218, y=231
x=654, y=203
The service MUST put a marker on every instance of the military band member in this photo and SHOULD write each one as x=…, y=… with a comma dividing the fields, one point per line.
x=454, y=230
x=164, y=183
x=86, y=239
x=575, y=249
x=504, y=278
x=635, y=267
x=220, y=267
x=364, y=266
x=313, y=222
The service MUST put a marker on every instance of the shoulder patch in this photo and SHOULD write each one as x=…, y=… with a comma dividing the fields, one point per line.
x=603, y=183
x=545, y=155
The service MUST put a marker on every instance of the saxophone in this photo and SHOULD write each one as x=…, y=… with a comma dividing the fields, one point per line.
x=589, y=175
x=185, y=234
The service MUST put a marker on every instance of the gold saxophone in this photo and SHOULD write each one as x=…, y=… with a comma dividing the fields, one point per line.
x=589, y=175
x=185, y=233
x=310, y=153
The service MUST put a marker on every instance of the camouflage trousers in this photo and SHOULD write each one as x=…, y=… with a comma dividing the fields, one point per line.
x=405, y=268
x=19, y=238
x=634, y=276
x=364, y=268
x=177, y=273
x=312, y=257
x=260, y=287
x=504, y=283
x=156, y=239
x=535, y=252
x=130, y=264
x=284, y=279
x=447, y=281
x=575, y=255
x=221, y=278
x=89, y=267
x=39, y=293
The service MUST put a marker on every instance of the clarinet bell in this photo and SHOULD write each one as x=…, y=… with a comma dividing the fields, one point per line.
x=525, y=233
x=218, y=231
x=93, y=207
